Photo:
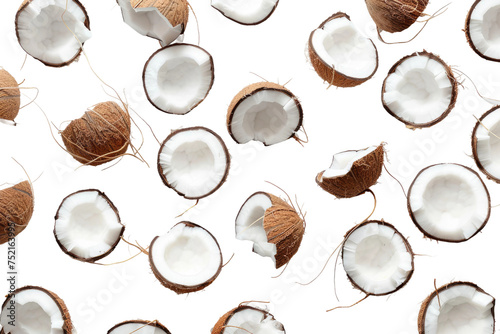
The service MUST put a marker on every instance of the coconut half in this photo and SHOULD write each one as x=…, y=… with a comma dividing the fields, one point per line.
x=16, y=209
x=139, y=327
x=420, y=90
x=35, y=310
x=194, y=162
x=449, y=202
x=87, y=226
x=482, y=29
x=265, y=112
x=52, y=30
x=177, y=78
x=186, y=259
x=249, y=12
x=341, y=54
x=248, y=319
x=10, y=96
x=395, y=15
x=458, y=308
x=486, y=145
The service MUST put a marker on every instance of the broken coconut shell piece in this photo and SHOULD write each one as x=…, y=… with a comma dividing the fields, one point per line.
x=52, y=30
x=87, y=225
x=273, y=225
x=37, y=310
x=485, y=143
x=248, y=319
x=395, y=15
x=10, y=96
x=16, y=208
x=449, y=202
x=482, y=29
x=340, y=54
x=139, y=327
x=352, y=172
x=186, y=259
x=250, y=12
x=458, y=307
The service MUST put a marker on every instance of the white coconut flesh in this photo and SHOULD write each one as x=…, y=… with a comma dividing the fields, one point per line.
x=44, y=35
x=339, y=44
x=419, y=91
x=460, y=309
x=488, y=145
x=178, y=78
x=376, y=258
x=249, y=225
x=449, y=202
x=484, y=28
x=343, y=161
x=253, y=321
x=137, y=328
x=194, y=162
x=187, y=256
x=245, y=11
x=86, y=225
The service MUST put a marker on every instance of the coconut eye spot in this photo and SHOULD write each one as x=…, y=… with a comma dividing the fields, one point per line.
x=486, y=146
x=245, y=11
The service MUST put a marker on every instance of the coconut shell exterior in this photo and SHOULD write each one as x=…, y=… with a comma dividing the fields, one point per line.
x=179, y=288
x=326, y=71
x=154, y=323
x=99, y=136
x=220, y=326
x=10, y=96
x=253, y=89
x=468, y=36
x=16, y=208
x=176, y=11
x=253, y=23
x=394, y=15
x=427, y=301
x=364, y=173
x=449, y=74
x=474, y=145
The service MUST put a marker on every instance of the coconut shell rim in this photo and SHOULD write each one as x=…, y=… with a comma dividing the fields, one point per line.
x=155, y=323
x=228, y=315
x=249, y=24
x=405, y=26
x=469, y=38
x=475, y=155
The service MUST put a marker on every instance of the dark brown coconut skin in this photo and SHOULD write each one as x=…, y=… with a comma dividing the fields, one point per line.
x=253, y=23
x=228, y=159
x=176, y=11
x=16, y=208
x=395, y=16
x=253, y=89
x=325, y=71
x=10, y=96
x=474, y=145
x=427, y=301
x=427, y=235
x=220, y=326
x=173, y=46
x=179, y=288
x=96, y=258
x=468, y=37
x=454, y=93
x=86, y=23
x=408, y=248
x=154, y=323
x=364, y=173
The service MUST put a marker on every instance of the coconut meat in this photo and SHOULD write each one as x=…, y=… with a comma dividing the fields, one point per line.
x=484, y=28
x=245, y=11
x=343, y=161
x=340, y=45
x=449, y=202
x=488, y=145
x=46, y=36
x=137, y=328
x=86, y=225
x=249, y=320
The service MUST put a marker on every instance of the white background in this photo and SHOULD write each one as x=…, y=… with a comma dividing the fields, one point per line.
x=336, y=119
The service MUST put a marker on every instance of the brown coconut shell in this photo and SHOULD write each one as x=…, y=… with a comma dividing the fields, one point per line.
x=154, y=323
x=364, y=173
x=449, y=74
x=395, y=15
x=10, y=96
x=179, y=288
x=326, y=71
x=16, y=208
x=176, y=11
x=253, y=23
x=96, y=258
x=427, y=235
x=468, y=36
x=220, y=326
x=427, y=301
x=101, y=135
x=253, y=89
x=474, y=145
x=86, y=23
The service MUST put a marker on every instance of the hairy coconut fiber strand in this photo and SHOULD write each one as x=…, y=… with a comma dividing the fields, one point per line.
x=99, y=136
x=176, y=11
x=395, y=15
x=16, y=208
x=10, y=96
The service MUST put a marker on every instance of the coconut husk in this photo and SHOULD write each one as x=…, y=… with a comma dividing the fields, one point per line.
x=474, y=145
x=221, y=325
x=468, y=36
x=10, y=96
x=252, y=23
x=154, y=323
x=395, y=15
x=16, y=208
x=176, y=11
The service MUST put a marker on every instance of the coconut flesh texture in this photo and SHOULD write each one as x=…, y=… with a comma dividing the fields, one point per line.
x=247, y=319
x=44, y=35
x=377, y=259
x=449, y=202
x=486, y=146
x=420, y=90
x=462, y=308
x=483, y=28
x=87, y=225
x=343, y=161
x=247, y=12
x=139, y=327
x=178, y=77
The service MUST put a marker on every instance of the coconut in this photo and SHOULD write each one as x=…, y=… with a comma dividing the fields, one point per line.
x=395, y=15
x=87, y=225
x=177, y=78
x=482, y=29
x=250, y=12
x=352, y=172
x=16, y=208
x=273, y=225
x=449, y=202
x=52, y=30
x=341, y=54
x=265, y=112
x=164, y=20
x=194, y=162
x=186, y=259
x=458, y=307
x=10, y=96
x=248, y=319
x=36, y=310
x=101, y=135
x=420, y=90
x=485, y=143
x=139, y=327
